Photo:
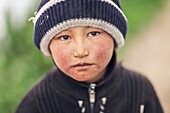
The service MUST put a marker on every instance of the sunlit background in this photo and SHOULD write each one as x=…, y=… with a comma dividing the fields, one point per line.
x=21, y=63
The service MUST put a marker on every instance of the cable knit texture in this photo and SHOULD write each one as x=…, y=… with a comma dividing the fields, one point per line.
x=121, y=91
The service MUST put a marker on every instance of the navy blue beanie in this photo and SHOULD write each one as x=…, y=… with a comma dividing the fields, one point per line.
x=54, y=16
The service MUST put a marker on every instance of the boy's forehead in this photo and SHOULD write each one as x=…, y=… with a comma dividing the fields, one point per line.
x=82, y=28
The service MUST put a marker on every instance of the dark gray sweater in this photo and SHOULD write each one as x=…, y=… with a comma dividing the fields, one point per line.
x=121, y=91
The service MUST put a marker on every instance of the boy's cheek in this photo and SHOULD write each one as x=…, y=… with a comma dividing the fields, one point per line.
x=102, y=51
x=60, y=59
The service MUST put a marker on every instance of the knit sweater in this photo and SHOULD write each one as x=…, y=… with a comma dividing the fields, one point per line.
x=120, y=91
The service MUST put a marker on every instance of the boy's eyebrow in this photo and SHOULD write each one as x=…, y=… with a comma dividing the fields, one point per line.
x=64, y=31
x=93, y=28
x=59, y=34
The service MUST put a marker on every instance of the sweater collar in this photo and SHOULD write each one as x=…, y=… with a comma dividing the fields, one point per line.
x=65, y=84
x=71, y=82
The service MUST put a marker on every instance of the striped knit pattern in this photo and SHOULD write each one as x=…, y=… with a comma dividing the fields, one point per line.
x=54, y=16
x=126, y=91
x=134, y=88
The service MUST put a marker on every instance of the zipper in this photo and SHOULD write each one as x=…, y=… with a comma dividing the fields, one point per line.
x=92, y=96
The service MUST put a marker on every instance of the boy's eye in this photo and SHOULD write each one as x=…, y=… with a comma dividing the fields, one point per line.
x=94, y=33
x=64, y=37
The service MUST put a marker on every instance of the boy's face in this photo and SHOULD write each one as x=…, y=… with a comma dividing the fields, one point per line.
x=82, y=53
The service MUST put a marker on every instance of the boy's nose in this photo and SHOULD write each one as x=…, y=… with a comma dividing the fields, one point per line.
x=80, y=52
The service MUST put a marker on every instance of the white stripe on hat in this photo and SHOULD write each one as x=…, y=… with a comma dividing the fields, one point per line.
x=115, y=5
x=45, y=7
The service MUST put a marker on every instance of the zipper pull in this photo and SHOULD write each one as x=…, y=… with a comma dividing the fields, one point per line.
x=92, y=96
x=92, y=93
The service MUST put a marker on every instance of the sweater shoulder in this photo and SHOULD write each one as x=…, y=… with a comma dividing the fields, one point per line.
x=36, y=93
x=43, y=85
x=128, y=73
x=137, y=82
x=138, y=85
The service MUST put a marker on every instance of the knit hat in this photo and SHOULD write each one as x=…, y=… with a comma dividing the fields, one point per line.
x=54, y=16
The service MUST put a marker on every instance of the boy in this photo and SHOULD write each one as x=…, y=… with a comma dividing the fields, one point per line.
x=82, y=37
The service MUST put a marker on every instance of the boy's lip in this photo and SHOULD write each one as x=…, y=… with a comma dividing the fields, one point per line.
x=82, y=65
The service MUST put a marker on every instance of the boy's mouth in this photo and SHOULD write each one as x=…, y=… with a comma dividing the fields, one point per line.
x=82, y=66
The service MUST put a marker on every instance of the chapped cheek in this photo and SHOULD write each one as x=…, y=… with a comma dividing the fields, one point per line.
x=101, y=50
x=62, y=60
x=104, y=53
x=100, y=53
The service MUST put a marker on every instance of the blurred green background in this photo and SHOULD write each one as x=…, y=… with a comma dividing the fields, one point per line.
x=21, y=63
